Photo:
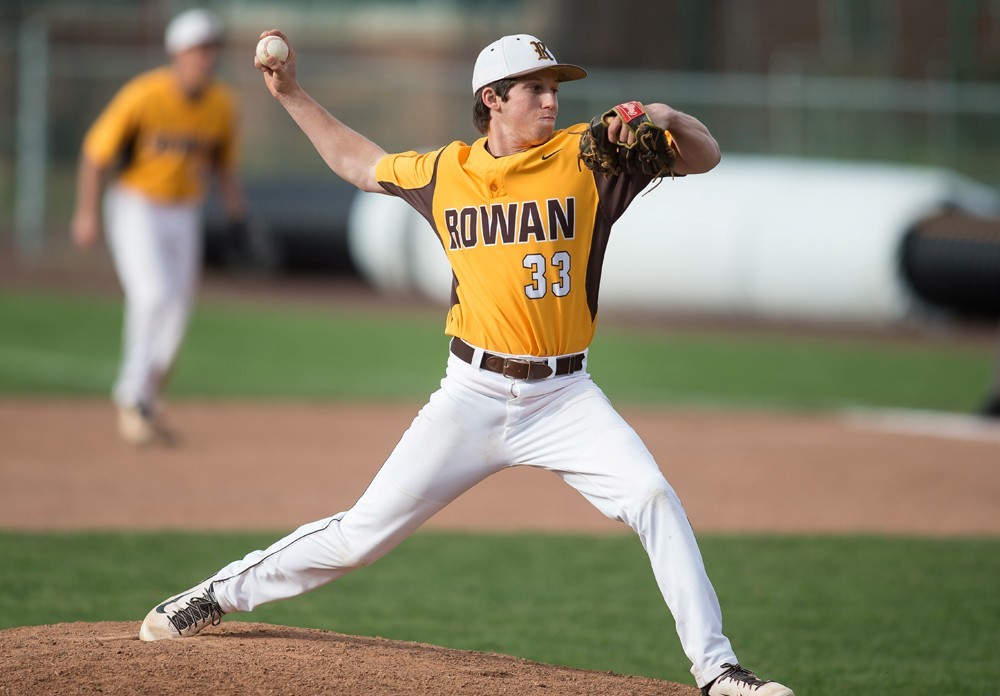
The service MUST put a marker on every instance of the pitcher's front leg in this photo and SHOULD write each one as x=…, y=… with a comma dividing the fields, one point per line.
x=433, y=464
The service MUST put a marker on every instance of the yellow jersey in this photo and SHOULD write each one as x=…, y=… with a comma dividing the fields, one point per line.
x=525, y=236
x=164, y=142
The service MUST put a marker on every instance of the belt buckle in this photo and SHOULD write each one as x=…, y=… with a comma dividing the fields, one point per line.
x=541, y=366
x=516, y=361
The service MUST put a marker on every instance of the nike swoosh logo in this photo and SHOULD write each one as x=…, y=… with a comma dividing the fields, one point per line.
x=159, y=609
x=551, y=154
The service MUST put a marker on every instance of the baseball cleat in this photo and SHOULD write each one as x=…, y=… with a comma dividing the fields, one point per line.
x=135, y=425
x=184, y=615
x=736, y=681
x=139, y=426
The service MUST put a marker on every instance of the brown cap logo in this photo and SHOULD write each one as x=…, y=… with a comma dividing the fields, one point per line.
x=543, y=53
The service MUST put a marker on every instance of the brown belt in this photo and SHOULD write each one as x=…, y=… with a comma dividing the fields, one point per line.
x=516, y=368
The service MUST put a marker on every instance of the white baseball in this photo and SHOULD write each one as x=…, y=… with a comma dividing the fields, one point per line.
x=273, y=46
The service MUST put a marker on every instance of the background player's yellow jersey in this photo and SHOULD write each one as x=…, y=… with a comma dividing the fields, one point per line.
x=164, y=141
x=525, y=235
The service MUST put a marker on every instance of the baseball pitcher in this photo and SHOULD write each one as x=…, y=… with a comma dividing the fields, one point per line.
x=524, y=215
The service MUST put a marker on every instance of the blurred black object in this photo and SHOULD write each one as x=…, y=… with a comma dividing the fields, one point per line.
x=952, y=260
x=991, y=409
x=292, y=225
x=237, y=245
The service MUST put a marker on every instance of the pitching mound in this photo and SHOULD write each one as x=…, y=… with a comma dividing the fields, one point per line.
x=253, y=658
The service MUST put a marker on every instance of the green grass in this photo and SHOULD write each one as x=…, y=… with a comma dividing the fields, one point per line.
x=789, y=372
x=828, y=615
x=59, y=345
x=55, y=345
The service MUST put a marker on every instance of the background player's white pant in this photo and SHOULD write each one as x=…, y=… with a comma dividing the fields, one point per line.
x=477, y=424
x=157, y=254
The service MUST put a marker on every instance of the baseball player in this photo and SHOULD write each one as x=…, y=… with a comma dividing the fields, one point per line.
x=525, y=228
x=162, y=136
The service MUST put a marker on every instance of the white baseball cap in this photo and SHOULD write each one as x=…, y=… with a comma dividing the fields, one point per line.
x=516, y=55
x=192, y=28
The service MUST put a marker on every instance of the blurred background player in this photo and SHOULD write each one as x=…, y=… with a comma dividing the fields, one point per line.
x=163, y=136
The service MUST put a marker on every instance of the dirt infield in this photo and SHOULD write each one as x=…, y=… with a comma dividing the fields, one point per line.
x=275, y=466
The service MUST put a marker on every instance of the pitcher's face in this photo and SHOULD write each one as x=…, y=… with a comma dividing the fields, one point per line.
x=531, y=108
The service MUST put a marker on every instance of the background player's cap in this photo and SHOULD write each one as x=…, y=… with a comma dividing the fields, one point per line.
x=520, y=54
x=196, y=27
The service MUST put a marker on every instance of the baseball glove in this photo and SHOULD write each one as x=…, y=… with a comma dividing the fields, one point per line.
x=651, y=154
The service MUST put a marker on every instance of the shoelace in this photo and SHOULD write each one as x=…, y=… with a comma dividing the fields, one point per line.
x=198, y=610
x=744, y=676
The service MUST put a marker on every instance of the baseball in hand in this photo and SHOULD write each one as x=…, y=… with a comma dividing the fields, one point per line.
x=272, y=46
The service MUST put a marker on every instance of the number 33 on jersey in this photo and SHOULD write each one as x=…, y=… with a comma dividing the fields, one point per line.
x=518, y=261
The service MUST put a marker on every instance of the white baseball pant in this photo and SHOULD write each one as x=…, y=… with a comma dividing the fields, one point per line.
x=157, y=254
x=475, y=425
